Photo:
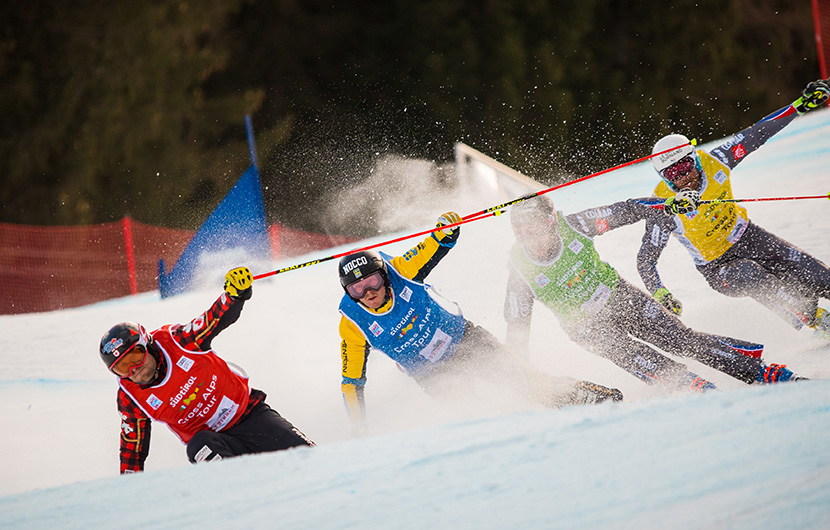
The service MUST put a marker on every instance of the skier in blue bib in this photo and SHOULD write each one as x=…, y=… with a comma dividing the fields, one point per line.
x=388, y=307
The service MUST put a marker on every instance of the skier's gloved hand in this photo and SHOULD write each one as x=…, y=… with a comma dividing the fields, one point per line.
x=686, y=201
x=665, y=298
x=815, y=95
x=448, y=237
x=238, y=283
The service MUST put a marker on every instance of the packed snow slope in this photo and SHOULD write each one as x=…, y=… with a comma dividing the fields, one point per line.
x=740, y=457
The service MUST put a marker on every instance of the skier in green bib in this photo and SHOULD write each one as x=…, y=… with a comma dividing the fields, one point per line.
x=554, y=261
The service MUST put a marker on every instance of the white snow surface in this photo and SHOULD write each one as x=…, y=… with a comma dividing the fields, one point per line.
x=740, y=457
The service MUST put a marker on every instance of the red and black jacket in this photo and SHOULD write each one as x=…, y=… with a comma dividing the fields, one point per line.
x=196, y=335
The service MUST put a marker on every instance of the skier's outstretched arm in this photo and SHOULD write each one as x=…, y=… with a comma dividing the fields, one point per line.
x=734, y=150
x=200, y=332
x=354, y=353
x=135, y=435
x=596, y=221
x=655, y=238
x=419, y=261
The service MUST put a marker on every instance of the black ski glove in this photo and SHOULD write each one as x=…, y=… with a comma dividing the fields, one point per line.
x=815, y=95
x=668, y=301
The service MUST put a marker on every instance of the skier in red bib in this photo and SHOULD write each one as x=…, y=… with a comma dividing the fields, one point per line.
x=172, y=376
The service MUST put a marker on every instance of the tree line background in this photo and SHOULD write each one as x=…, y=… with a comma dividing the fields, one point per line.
x=115, y=108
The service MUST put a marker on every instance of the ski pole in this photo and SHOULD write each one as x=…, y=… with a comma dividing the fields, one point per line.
x=489, y=212
x=718, y=201
x=581, y=179
x=468, y=219
x=659, y=204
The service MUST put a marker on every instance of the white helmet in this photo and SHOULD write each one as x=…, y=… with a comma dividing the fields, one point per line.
x=684, y=148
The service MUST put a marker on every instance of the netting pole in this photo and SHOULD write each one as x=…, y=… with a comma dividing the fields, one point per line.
x=128, y=245
x=274, y=234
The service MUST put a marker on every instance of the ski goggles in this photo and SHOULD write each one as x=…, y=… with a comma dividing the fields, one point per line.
x=130, y=360
x=373, y=282
x=679, y=169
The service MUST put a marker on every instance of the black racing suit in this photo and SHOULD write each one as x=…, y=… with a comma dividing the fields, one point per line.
x=737, y=258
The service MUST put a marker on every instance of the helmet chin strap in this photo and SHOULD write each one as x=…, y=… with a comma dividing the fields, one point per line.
x=155, y=353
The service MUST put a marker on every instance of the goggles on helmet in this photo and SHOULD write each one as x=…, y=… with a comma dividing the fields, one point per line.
x=679, y=169
x=130, y=360
x=373, y=282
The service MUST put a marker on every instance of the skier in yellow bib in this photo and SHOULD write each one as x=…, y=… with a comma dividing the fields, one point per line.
x=737, y=257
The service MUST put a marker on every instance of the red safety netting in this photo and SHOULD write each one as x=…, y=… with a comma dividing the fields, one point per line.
x=287, y=242
x=56, y=267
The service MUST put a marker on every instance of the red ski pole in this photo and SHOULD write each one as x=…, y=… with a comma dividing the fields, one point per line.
x=468, y=219
x=570, y=183
x=716, y=201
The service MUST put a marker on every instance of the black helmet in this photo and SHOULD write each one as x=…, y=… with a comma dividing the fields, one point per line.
x=359, y=265
x=530, y=211
x=120, y=339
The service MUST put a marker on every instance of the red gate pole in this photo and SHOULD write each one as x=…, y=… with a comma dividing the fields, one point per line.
x=128, y=245
x=817, y=14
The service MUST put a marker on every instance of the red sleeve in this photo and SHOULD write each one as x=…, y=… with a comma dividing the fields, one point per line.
x=199, y=332
x=135, y=434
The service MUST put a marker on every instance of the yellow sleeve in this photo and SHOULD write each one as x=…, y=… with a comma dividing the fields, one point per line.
x=419, y=261
x=354, y=352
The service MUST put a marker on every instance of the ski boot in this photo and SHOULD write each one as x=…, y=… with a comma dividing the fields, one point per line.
x=587, y=393
x=776, y=373
x=697, y=383
x=821, y=324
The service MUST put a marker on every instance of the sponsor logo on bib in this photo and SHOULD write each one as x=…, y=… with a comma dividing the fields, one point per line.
x=375, y=329
x=154, y=402
x=576, y=246
x=185, y=364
